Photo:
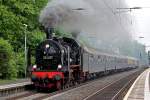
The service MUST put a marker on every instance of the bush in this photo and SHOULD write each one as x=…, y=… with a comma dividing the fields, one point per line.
x=7, y=64
x=20, y=64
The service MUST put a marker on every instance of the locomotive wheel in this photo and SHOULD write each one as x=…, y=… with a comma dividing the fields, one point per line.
x=66, y=86
x=37, y=88
x=58, y=85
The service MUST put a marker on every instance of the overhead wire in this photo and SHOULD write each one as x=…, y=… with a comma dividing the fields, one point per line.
x=114, y=14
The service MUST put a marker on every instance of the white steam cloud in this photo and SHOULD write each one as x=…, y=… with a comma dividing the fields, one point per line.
x=98, y=22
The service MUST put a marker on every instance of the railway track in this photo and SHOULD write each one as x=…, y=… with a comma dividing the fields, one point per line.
x=106, y=87
x=115, y=90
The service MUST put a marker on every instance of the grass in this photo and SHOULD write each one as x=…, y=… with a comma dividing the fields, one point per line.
x=13, y=81
x=2, y=82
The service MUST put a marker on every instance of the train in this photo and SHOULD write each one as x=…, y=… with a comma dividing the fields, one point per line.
x=61, y=61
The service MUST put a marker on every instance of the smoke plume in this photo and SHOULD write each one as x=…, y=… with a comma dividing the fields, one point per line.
x=94, y=21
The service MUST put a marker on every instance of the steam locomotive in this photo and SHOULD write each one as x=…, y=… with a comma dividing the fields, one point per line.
x=63, y=61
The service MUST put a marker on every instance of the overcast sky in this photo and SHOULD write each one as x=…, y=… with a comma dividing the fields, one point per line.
x=141, y=23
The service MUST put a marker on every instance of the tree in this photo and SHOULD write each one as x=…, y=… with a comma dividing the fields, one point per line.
x=13, y=14
x=7, y=64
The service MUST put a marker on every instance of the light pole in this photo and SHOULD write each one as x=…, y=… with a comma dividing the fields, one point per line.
x=131, y=8
x=78, y=9
x=25, y=47
x=121, y=10
x=140, y=37
x=144, y=56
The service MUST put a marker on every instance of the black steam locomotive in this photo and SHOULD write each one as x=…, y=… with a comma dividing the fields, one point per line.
x=61, y=61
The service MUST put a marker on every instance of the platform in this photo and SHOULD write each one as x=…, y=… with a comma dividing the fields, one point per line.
x=19, y=82
x=140, y=88
x=14, y=87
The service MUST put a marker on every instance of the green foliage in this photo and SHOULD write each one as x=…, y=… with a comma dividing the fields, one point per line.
x=61, y=32
x=35, y=38
x=7, y=64
x=13, y=15
x=20, y=64
x=12, y=70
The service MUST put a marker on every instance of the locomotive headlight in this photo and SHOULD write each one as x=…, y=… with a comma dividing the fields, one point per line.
x=59, y=66
x=47, y=45
x=34, y=67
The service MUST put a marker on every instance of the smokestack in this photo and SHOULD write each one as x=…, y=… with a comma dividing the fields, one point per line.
x=49, y=31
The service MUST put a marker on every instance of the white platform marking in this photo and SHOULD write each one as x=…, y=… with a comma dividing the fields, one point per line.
x=147, y=89
x=131, y=88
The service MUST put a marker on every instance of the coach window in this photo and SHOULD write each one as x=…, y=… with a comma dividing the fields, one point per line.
x=91, y=56
x=99, y=58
